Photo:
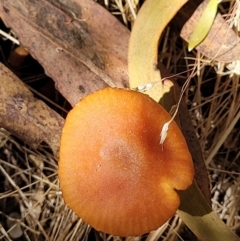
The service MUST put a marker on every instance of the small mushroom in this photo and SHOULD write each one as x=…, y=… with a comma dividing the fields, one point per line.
x=113, y=172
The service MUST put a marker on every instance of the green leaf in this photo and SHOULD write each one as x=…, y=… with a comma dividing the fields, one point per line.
x=201, y=219
x=204, y=25
x=151, y=21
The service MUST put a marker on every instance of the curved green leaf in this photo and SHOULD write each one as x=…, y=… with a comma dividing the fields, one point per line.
x=151, y=20
x=204, y=25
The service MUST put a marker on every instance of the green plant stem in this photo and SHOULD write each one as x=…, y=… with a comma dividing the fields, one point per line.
x=201, y=219
x=151, y=21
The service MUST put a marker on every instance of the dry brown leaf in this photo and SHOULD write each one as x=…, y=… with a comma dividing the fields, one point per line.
x=79, y=44
x=25, y=116
x=221, y=43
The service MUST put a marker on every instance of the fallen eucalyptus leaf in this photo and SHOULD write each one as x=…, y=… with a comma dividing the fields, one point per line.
x=204, y=24
x=221, y=43
x=78, y=42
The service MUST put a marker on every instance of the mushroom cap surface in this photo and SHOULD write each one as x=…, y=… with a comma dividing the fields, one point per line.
x=113, y=172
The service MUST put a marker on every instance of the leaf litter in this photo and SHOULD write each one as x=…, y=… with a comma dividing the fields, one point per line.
x=30, y=185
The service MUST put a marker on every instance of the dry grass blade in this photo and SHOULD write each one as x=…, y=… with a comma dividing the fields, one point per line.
x=31, y=186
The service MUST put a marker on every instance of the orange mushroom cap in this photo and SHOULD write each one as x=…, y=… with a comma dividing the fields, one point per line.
x=113, y=172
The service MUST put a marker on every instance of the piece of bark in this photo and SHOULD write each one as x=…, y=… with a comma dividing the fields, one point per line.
x=28, y=118
x=79, y=44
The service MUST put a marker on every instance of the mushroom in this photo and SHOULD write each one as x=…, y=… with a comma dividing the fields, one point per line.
x=113, y=172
